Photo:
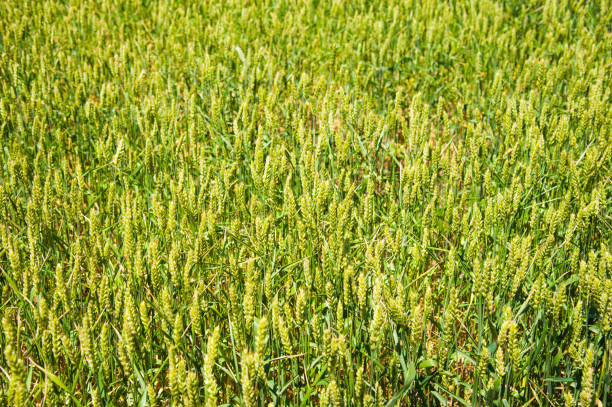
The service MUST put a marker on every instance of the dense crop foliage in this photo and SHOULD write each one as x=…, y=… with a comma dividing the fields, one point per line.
x=305, y=203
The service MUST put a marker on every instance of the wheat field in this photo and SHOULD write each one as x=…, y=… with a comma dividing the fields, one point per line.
x=305, y=203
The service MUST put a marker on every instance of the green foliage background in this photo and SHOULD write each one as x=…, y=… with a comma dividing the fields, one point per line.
x=305, y=203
